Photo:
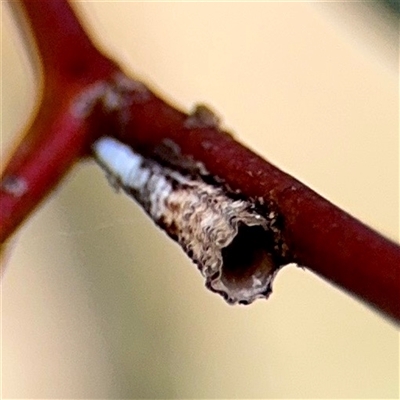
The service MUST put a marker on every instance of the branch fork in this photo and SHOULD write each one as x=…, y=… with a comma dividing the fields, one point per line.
x=182, y=163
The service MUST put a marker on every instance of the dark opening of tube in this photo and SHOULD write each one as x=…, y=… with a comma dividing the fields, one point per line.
x=247, y=257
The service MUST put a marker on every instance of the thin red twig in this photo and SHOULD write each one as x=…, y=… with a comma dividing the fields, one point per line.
x=315, y=233
x=58, y=136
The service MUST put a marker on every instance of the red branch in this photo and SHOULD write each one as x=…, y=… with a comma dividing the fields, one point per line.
x=318, y=235
x=57, y=138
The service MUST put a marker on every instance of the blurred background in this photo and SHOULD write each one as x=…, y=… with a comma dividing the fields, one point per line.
x=98, y=303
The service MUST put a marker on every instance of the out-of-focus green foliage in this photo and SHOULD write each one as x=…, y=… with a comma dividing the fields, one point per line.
x=394, y=6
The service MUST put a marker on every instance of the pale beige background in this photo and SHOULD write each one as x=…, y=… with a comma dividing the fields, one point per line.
x=98, y=303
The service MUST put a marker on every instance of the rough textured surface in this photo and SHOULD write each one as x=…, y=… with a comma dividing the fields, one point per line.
x=232, y=244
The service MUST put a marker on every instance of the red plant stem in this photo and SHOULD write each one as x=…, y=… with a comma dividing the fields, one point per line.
x=318, y=235
x=57, y=137
x=66, y=51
